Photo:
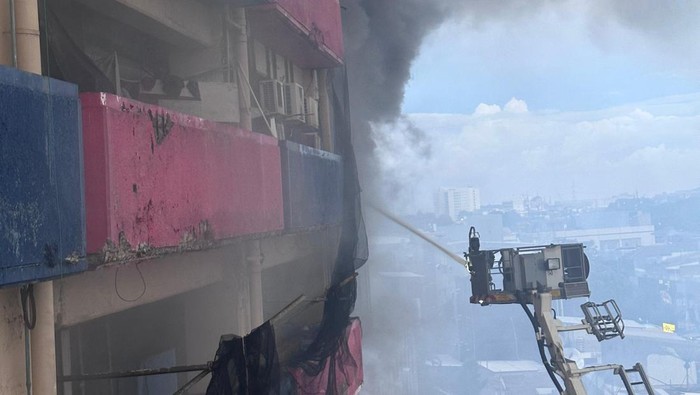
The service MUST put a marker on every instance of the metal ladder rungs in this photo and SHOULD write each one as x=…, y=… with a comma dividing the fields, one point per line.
x=622, y=372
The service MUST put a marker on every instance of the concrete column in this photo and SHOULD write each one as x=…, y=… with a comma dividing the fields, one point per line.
x=255, y=267
x=239, y=18
x=237, y=277
x=43, y=344
x=324, y=111
x=5, y=34
x=44, y=341
x=12, y=366
x=28, y=45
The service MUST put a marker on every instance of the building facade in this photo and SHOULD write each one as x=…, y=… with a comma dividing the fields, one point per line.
x=456, y=201
x=173, y=171
x=625, y=237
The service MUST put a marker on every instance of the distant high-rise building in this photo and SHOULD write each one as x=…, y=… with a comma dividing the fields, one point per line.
x=453, y=201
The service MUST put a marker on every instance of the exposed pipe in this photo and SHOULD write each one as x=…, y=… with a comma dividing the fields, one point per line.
x=28, y=359
x=13, y=33
x=227, y=37
x=239, y=18
x=135, y=373
x=324, y=111
x=26, y=295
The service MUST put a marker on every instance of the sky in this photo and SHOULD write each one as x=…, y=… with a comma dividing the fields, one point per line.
x=567, y=99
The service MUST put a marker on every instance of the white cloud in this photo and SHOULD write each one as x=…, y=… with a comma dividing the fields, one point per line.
x=516, y=106
x=649, y=148
x=641, y=114
x=487, y=109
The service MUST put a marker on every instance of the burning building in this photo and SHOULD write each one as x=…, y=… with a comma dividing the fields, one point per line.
x=175, y=171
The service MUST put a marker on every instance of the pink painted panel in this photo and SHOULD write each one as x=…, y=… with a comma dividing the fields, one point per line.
x=321, y=18
x=165, y=179
x=349, y=371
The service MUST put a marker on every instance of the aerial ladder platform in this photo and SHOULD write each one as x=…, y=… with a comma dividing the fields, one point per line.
x=536, y=276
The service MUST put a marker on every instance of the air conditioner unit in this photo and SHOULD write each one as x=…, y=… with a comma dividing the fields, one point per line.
x=294, y=102
x=272, y=97
x=311, y=112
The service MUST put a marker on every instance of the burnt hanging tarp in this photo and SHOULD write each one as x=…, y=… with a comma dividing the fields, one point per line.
x=66, y=60
x=353, y=250
x=332, y=363
x=246, y=365
x=340, y=372
x=317, y=366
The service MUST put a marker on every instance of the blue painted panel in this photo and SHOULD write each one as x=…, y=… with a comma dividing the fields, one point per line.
x=312, y=182
x=42, y=219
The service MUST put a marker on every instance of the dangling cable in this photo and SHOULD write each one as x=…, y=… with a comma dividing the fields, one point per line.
x=540, y=346
x=28, y=305
x=116, y=287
